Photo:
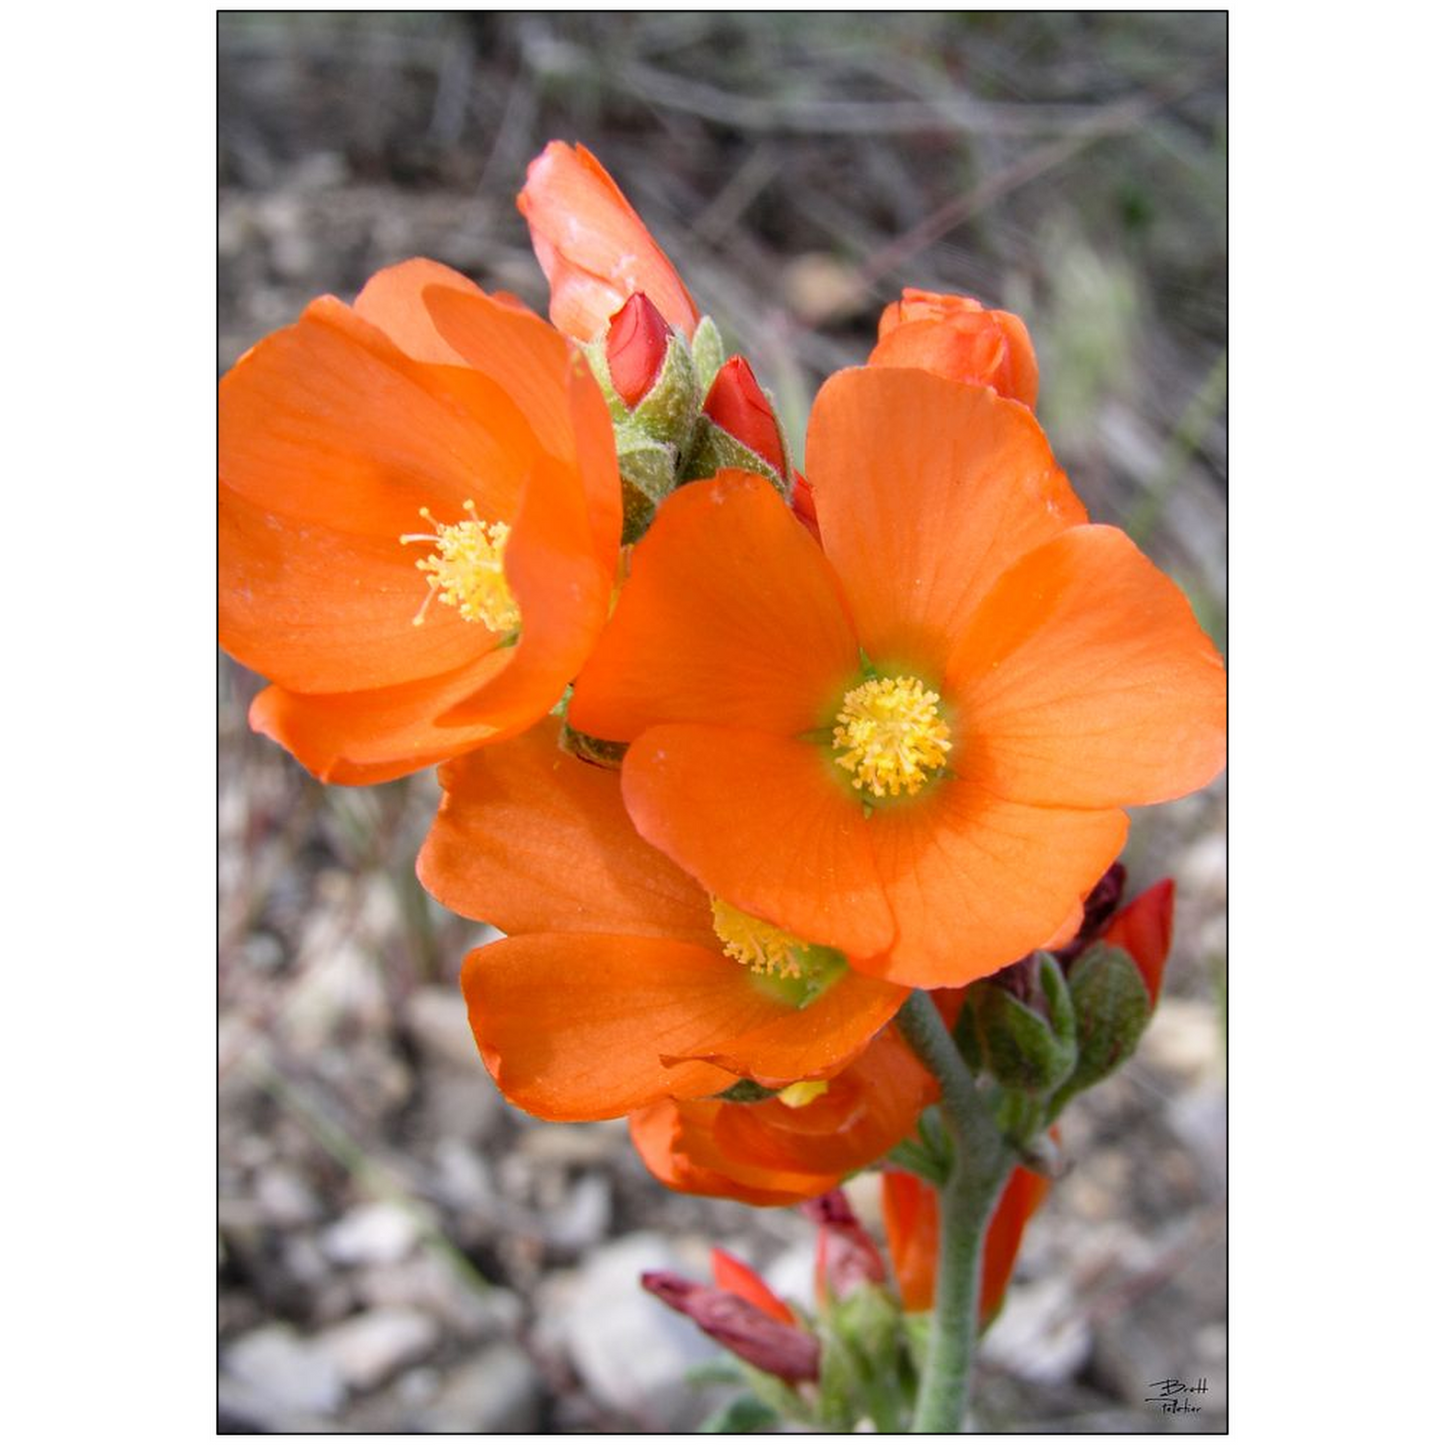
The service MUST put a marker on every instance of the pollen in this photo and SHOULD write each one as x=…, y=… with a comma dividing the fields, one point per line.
x=890, y=736
x=763, y=947
x=801, y=1094
x=465, y=571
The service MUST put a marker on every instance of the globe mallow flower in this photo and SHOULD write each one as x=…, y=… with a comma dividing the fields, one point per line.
x=793, y=1147
x=622, y=982
x=419, y=523
x=957, y=337
x=594, y=247
x=913, y=743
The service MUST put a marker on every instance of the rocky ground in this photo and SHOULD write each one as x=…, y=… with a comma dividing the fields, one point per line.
x=399, y=1249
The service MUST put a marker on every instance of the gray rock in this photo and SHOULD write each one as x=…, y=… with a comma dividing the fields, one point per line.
x=1041, y=1334
x=429, y=1284
x=497, y=1392
x=437, y=1019
x=370, y=1348
x=582, y=1219
x=277, y=1378
x=630, y=1350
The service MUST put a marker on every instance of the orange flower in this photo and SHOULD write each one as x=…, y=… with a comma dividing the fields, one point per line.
x=771, y=1153
x=913, y=743
x=910, y=1221
x=593, y=246
x=956, y=337
x=622, y=983
x=419, y=523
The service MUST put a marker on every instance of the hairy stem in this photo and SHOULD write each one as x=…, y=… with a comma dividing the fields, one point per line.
x=980, y=1165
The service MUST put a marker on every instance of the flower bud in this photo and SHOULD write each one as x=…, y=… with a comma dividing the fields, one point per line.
x=847, y=1257
x=782, y=1350
x=637, y=338
x=956, y=337
x=740, y=429
x=1115, y=984
x=1018, y=1024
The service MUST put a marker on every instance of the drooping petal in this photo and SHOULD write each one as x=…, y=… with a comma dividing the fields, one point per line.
x=910, y=1223
x=1083, y=680
x=926, y=491
x=659, y=1134
x=531, y=839
x=575, y=1026
x=760, y=821
x=976, y=881
x=730, y=618
x=593, y=245
x=377, y=734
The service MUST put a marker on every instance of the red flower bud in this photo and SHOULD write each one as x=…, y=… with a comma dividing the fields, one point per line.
x=736, y=404
x=847, y=1257
x=782, y=1350
x=1144, y=930
x=637, y=337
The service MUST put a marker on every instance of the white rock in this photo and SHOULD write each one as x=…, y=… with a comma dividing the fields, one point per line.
x=1040, y=1335
x=282, y=1375
x=378, y=1233
x=370, y=1348
x=497, y=1392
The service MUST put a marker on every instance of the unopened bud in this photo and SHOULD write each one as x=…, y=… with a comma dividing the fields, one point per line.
x=1018, y=1025
x=637, y=338
x=847, y=1258
x=740, y=430
x=782, y=1350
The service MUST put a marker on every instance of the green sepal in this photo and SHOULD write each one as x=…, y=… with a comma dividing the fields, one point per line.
x=1023, y=1049
x=745, y=1091
x=669, y=411
x=1111, y=1008
x=715, y=449
x=601, y=751
x=708, y=354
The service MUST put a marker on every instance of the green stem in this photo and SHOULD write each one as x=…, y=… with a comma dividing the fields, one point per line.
x=980, y=1165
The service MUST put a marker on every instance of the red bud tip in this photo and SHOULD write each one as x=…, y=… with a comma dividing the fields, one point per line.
x=847, y=1257
x=637, y=338
x=736, y=403
x=1144, y=930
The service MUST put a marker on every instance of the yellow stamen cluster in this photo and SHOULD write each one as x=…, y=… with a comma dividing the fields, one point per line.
x=764, y=948
x=890, y=736
x=465, y=570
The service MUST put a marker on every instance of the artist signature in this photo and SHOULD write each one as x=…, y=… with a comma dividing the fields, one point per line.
x=1173, y=1396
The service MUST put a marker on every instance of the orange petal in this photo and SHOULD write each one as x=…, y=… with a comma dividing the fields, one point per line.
x=731, y=1274
x=910, y=1222
x=326, y=421
x=377, y=734
x=1021, y=1196
x=1084, y=681
x=593, y=245
x=320, y=609
x=392, y=302
x=926, y=491
x=976, y=881
x=531, y=839
x=574, y=1026
x=658, y=1133
x=730, y=618
x=760, y=821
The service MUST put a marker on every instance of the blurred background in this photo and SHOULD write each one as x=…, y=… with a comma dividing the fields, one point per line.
x=400, y=1250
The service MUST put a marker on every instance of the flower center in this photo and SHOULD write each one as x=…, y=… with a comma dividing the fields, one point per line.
x=764, y=948
x=890, y=736
x=465, y=570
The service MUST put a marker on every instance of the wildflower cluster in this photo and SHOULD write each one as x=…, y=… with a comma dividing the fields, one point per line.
x=735, y=758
